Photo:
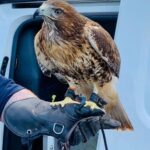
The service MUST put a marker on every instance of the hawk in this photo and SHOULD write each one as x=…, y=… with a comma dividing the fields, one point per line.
x=80, y=52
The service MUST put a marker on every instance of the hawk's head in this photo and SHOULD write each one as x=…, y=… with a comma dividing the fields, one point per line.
x=61, y=16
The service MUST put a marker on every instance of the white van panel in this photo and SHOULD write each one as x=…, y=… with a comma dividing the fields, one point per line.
x=133, y=40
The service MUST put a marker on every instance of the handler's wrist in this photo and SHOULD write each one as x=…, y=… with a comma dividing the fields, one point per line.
x=20, y=95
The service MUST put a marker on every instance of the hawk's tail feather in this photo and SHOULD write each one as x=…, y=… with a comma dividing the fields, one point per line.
x=118, y=113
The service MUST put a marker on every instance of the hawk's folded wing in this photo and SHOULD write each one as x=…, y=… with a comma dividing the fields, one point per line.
x=104, y=46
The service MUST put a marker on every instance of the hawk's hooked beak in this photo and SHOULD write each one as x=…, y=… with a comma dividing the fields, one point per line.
x=37, y=13
x=43, y=10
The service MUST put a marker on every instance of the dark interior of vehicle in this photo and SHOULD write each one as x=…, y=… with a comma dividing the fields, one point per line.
x=25, y=71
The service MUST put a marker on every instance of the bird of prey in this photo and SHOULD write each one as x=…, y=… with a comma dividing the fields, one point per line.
x=80, y=52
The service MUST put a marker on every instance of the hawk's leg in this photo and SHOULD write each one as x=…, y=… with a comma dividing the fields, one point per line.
x=72, y=92
x=97, y=99
x=82, y=100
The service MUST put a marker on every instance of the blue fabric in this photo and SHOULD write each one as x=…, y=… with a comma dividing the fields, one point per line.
x=7, y=88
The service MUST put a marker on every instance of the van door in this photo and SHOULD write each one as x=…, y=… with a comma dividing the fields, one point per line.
x=133, y=40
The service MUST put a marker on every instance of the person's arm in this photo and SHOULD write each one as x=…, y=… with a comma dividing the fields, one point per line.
x=10, y=92
x=7, y=89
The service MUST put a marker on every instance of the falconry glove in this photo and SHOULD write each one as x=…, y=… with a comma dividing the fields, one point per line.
x=31, y=118
x=65, y=120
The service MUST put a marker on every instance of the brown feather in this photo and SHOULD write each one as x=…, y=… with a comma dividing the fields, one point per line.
x=104, y=45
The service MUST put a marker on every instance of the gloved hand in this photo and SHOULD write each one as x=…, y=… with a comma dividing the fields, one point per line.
x=31, y=118
x=69, y=121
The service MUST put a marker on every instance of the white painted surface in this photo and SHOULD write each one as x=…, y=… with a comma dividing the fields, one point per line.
x=48, y=143
x=1, y=134
x=133, y=40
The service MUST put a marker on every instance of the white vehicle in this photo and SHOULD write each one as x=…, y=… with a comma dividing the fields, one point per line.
x=17, y=31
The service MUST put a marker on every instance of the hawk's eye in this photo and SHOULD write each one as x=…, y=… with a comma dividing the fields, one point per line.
x=58, y=11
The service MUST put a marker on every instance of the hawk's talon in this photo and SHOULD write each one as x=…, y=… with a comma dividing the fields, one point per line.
x=92, y=105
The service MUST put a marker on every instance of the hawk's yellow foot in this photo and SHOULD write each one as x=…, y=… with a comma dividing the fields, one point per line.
x=92, y=105
x=66, y=101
